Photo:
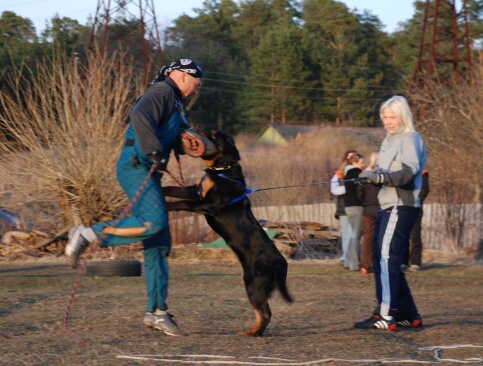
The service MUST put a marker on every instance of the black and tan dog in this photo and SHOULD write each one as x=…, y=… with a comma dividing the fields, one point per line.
x=222, y=197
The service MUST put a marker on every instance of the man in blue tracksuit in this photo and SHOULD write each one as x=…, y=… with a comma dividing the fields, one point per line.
x=155, y=123
x=399, y=172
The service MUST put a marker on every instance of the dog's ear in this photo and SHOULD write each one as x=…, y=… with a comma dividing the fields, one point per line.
x=227, y=144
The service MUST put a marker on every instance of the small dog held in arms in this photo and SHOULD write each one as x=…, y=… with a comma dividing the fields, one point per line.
x=221, y=196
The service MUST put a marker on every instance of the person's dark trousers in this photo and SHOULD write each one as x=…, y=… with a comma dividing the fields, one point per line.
x=416, y=243
x=415, y=248
x=391, y=240
x=368, y=225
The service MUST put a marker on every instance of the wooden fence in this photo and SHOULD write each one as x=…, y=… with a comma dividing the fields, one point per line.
x=444, y=227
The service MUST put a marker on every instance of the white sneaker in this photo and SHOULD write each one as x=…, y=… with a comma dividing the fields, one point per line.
x=164, y=323
x=377, y=322
x=77, y=245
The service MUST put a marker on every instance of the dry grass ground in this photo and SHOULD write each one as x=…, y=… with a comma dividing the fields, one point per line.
x=209, y=302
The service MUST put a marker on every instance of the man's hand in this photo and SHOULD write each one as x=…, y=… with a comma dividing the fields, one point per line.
x=372, y=177
x=159, y=161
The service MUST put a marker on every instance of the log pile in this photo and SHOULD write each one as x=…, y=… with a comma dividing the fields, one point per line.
x=305, y=239
x=30, y=244
x=294, y=240
x=23, y=244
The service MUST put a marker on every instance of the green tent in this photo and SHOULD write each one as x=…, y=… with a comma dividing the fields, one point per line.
x=221, y=244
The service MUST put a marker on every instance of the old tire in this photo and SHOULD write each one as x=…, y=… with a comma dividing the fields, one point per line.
x=124, y=268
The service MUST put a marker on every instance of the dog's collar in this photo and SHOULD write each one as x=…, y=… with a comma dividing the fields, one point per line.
x=221, y=175
x=206, y=167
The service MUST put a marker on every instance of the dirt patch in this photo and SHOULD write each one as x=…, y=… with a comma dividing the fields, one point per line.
x=208, y=300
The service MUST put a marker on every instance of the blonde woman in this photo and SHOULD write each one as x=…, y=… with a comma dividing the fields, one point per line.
x=399, y=170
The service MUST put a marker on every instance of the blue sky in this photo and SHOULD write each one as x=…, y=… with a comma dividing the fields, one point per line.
x=39, y=11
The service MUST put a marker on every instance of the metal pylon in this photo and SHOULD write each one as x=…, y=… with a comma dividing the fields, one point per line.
x=445, y=48
x=132, y=22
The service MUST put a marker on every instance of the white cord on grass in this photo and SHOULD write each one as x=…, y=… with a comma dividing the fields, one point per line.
x=432, y=348
x=230, y=360
x=437, y=353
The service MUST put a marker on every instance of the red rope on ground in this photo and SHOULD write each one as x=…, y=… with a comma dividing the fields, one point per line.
x=92, y=249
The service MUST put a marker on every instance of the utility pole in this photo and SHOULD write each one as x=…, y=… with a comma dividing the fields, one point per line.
x=115, y=22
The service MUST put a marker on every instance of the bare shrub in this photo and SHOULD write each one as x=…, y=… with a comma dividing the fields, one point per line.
x=452, y=125
x=65, y=129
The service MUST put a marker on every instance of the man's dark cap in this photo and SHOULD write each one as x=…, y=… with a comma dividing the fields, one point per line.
x=184, y=64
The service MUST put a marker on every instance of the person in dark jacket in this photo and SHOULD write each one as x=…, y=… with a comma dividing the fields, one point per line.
x=353, y=210
x=370, y=207
x=337, y=188
x=155, y=123
x=412, y=260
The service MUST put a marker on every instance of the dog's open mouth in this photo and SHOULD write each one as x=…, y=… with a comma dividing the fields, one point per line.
x=197, y=145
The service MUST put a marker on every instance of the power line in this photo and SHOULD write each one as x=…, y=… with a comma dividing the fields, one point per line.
x=42, y=1
x=276, y=96
x=17, y=4
x=276, y=79
x=295, y=87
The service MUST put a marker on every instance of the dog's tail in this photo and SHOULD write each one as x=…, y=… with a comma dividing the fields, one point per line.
x=281, y=280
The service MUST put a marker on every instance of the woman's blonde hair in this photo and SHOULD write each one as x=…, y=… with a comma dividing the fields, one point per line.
x=373, y=159
x=400, y=107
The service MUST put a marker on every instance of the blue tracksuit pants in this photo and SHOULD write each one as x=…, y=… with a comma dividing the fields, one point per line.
x=391, y=240
x=148, y=211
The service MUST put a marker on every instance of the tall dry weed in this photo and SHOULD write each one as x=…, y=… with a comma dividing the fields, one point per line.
x=62, y=133
x=307, y=162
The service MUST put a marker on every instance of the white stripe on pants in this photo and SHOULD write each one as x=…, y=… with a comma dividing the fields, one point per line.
x=386, y=243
